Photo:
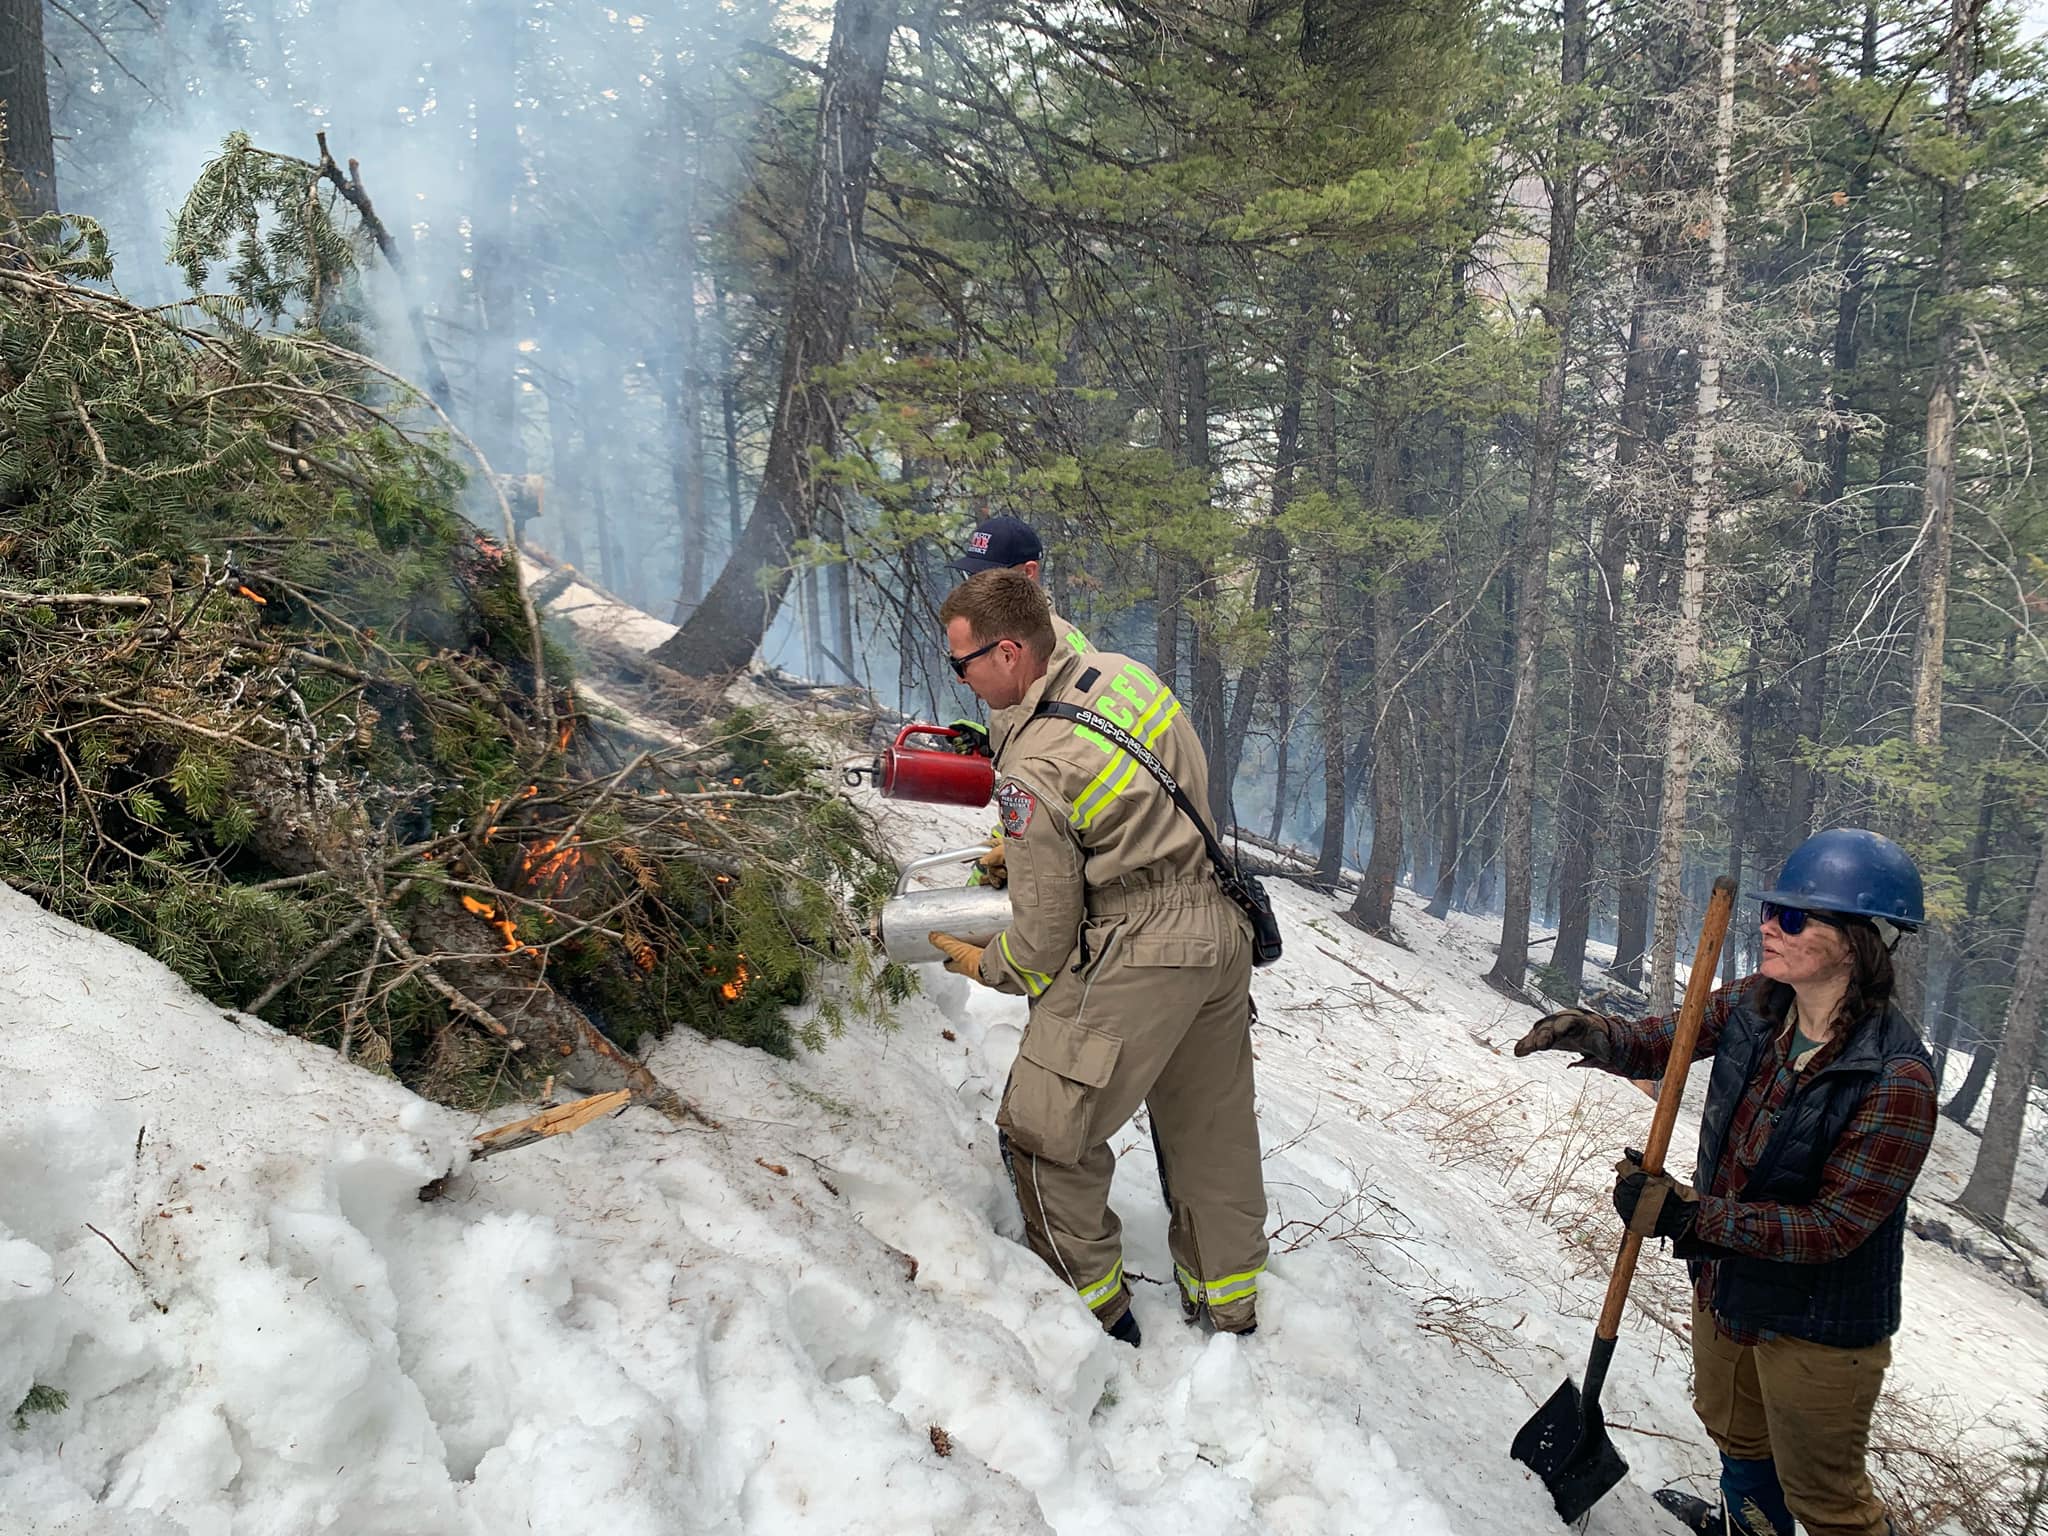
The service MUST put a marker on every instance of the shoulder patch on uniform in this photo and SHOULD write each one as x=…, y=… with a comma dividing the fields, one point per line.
x=1017, y=805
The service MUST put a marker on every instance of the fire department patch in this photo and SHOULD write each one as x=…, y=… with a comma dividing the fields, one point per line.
x=977, y=543
x=1016, y=804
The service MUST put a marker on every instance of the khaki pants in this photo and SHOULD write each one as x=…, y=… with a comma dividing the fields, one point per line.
x=1158, y=1014
x=1807, y=1407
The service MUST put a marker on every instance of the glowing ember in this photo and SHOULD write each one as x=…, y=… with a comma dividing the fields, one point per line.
x=254, y=597
x=732, y=989
x=552, y=866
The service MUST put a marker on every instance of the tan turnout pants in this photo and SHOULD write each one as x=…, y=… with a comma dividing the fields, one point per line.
x=1807, y=1407
x=1156, y=1010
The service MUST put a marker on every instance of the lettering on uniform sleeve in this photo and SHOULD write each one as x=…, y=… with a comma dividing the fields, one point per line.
x=1017, y=804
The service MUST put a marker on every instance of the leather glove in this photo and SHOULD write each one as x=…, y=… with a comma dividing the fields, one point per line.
x=993, y=868
x=1653, y=1204
x=1570, y=1029
x=969, y=739
x=962, y=958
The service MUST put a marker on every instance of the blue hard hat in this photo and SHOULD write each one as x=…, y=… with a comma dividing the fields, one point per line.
x=1849, y=870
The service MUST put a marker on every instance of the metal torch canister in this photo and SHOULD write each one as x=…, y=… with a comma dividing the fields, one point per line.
x=976, y=913
x=935, y=775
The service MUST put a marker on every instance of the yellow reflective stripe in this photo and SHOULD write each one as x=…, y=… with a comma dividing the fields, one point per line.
x=1234, y=1287
x=1220, y=1293
x=1035, y=982
x=1098, y=793
x=1095, y=784
x=1122, y=782
x=1103, y=1291
x=1159, y=730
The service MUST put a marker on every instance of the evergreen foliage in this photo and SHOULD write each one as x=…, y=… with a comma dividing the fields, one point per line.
x=265, y=685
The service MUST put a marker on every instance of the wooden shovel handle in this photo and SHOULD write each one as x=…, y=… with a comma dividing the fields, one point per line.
x=1706, y=960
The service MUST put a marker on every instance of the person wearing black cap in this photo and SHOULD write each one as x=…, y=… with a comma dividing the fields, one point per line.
x=1004, y=543
x=1011, y=544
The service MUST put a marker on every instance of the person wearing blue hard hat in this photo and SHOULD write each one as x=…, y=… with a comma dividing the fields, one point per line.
x=1818, y=1116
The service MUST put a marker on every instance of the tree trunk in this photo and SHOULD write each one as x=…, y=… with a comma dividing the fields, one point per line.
x=1956, y=985
x=1680, y=726
x=1590, y=758
x=1989, y=1190
x=1283, y=699
x=1803, y=793
x=1373, y=910
x=1532, y=559
x=1206, y=663
x=1742, y=792
x=728, y=626
x=729, y=410
x=685, y=381
x=1452, y=715
x=28, y=152
x=1938, y=493
x=1167, y=580
x=1632, y=798
x=1272, y=574
x=1330, y=594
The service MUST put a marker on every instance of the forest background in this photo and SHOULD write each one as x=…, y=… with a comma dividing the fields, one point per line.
x=1560, y=455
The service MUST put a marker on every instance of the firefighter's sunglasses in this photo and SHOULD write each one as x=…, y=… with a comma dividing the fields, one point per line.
x=1793, y=920
x=960, y=663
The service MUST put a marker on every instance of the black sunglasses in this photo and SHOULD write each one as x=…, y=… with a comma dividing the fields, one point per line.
x=1792, y=921
x=960, y=662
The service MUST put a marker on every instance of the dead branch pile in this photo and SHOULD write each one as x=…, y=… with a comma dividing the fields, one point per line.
x=273, y=709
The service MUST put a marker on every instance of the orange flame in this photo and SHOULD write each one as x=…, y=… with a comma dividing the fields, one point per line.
x=504, y=925
x=738, y=984
x=552, y=865
x=254, y=597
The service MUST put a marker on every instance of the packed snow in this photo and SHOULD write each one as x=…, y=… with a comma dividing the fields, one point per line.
x=820, y=1316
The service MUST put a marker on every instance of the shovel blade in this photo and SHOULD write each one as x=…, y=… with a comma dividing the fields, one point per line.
x=1575, y=1458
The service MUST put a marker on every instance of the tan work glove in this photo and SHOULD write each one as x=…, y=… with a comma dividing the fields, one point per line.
x=1570, y=1029
x=962, y=958
x=993, y=868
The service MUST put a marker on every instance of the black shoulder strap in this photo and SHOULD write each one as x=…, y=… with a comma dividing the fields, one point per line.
x=1147, y=759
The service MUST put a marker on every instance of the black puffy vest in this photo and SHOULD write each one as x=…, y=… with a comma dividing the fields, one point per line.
x=1850, y=1302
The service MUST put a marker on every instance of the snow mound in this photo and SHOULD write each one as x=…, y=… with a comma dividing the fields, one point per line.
x=819, y=1317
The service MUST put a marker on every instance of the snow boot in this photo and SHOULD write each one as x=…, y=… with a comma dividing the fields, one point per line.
x=1693, y=1512
x=1744, y=1485
x=1126, y=1330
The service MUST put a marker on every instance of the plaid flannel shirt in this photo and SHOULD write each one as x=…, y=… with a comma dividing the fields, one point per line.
x=1866, y=1176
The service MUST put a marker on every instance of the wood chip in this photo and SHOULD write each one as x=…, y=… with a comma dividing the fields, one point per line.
x=775, y=1168
x=941, y=1441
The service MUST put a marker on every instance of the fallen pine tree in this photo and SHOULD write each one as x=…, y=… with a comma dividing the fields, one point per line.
x=275, y=710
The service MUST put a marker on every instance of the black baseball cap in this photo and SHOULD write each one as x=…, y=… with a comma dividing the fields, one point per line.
x=997, y=544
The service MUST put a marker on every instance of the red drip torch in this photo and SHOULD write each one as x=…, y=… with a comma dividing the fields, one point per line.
x=938, y=775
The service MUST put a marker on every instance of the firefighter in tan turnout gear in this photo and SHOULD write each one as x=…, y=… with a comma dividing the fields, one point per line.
x=1137, y=966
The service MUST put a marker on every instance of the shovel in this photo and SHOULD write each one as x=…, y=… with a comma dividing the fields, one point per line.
x=1566, y=1443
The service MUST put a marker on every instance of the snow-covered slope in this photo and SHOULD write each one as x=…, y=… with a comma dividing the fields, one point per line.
x=819, y=1317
